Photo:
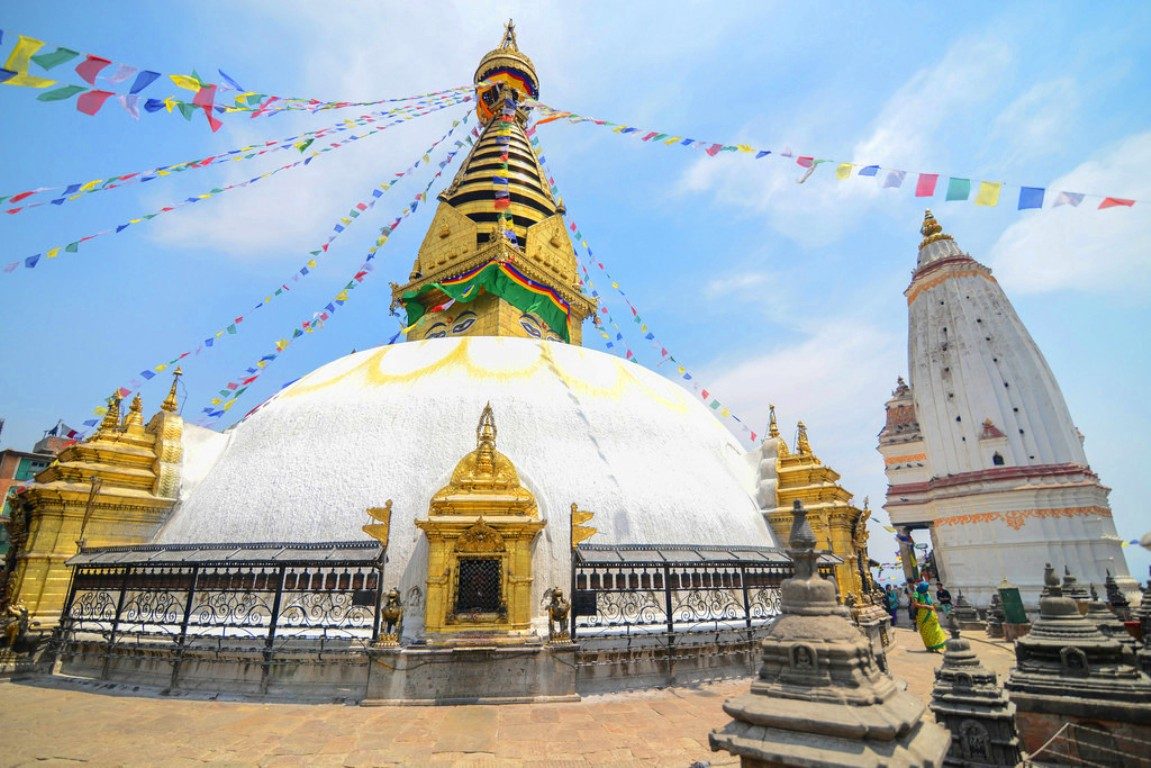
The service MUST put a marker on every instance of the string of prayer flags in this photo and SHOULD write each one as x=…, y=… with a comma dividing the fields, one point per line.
x=581, y=246
x=228, y=396
x=73, y=247
x=94, y=70
x=357, y=210
x=300, y=142
x=987, y=193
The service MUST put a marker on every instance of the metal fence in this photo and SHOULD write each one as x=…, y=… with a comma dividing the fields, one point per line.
x=265, y=597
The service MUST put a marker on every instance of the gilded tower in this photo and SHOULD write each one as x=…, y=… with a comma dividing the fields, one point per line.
x=787, y=476
x=115, y=488
x=496, y=260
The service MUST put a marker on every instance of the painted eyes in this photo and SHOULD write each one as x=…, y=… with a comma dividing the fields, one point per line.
x=465, y=322
x=530, y=326
x=437, y=331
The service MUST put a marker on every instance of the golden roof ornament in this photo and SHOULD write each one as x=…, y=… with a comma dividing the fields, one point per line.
x=135, y=413
x=931, y=230
x=772, y=427
x=170, y=404
x=802, y=446
x=111, y=418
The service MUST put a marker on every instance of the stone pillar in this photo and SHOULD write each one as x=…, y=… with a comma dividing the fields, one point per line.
x=968, y=701
x=821, y=699
x=1069, y=671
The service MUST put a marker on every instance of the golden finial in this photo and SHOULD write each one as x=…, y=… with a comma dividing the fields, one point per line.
x=111, y=418
x=170, y=403
x=509, y=39
x=772, y=427
x=931, y=230
x=801, y=445
x=486, y=441
x=135, y=413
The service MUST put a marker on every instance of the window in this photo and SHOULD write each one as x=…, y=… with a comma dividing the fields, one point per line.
x=478, y=590
x=997, y=459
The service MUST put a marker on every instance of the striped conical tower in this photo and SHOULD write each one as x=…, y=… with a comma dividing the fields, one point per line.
x=496, y=260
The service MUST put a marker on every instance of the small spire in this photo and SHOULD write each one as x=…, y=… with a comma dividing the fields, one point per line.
x=953, y=625
x=509, y=38
x=802, y=446
x=135, y=413
x=931, y=230
x=111, y=418
x=802, y=538
x=486, y=429
x=772, y=427
x=170, y=404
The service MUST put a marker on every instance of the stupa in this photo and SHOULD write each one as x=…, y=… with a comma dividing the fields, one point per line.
x=1099, y=614
x=820, y=699
x=476, y=545
x=1069, y=671
x=979, y=446
x=968, y=701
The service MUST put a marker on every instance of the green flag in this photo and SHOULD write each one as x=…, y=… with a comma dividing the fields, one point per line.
x=57, y=57
x=59, y=94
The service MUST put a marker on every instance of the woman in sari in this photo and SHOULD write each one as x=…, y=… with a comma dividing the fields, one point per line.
x=926, y=621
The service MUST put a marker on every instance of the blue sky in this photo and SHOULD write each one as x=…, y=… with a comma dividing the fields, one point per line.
x=771, y=291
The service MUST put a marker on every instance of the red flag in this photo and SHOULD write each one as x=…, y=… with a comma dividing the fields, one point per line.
x=213, y=122
x=21, y=196
x=205, y=97
x=90, y=67
x=925, y=187
x=89, y=103
x=805, y=161
x=502, y=203
x=1111, y=202
x=703, y=393
x=715, y=149
x=753, y=437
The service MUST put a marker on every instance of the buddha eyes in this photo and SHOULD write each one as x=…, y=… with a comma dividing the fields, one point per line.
x=530, y=326
x=465, y=322
x=437, y=331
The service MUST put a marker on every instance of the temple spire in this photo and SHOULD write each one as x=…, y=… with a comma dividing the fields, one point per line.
x=802, y=446
x=135, y=418
x=509, y=39
x=111, y=420
x=171, y=404
x=772, y=427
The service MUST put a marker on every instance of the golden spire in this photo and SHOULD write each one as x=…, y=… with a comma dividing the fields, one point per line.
x=111, y=418
x=171, y=405
x=135, y=417
x=931, y=230
x=509, y=40
x=801, y=445
x=772, y=427
x=486, y=441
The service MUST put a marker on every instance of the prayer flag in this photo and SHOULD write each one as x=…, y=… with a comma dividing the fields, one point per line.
x=1112, y=202
x=988, y=193
x=90, y=67
x=187, y=82
x=60, y=94
x=843, y=171
x=805, y=161
x=143, y=80
x=958, y=189
x=894, y=179
x=925, y=187
x=18, y=61
x=714, y=149
x=231, y=83
x=56, y=58
x=869, y=170
x=122, y=73
x=1069, y=198
x=762, y=153
x=1030, y=197
x=130, y=104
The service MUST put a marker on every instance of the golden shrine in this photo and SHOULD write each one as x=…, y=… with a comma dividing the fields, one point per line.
x=480, y=530
x=115, y=488
x=839, y=527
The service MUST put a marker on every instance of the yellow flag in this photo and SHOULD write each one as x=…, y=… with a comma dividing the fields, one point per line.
x=744, y=148
x=170, y=103
x=281, y=345
x=988, y=193
x=89, y=185
x=18, y=63
x=725, y=412
x=187, y=82
x=228, y=405
x=311, y=263
x=160, y=368
x=52, y=253
x=673, y=140
x=342, y=296
x=843, y=171
x=216, y=401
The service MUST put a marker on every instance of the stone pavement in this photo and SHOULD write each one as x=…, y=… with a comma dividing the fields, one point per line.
x=57, y=724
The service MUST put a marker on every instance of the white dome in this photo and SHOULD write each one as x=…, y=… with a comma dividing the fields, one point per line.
x=392, y=422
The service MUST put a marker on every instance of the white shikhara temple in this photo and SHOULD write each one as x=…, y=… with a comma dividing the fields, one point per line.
x=979, y=447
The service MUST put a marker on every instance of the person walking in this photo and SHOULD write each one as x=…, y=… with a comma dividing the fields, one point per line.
x=943, y=597
x=926, y=620
x=891, y=602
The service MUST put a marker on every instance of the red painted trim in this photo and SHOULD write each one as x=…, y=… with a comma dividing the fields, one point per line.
x=996, y=473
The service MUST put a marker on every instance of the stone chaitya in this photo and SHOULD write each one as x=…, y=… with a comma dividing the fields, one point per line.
x=1143, y=615
x=1069, y=671
x=821, y=700
x=1108, y=623
x=966, y=613
x=1116, y=600
x=968, y=701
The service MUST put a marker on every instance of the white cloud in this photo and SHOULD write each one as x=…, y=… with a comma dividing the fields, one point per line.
x=909, y=132
x=738, y=284
x=1035, y=124
x=1084, y=248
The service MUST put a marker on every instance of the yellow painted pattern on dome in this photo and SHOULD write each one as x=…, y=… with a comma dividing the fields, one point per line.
x=372, y=371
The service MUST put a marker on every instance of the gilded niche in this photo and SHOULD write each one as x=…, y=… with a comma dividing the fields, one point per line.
x=481, y=530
